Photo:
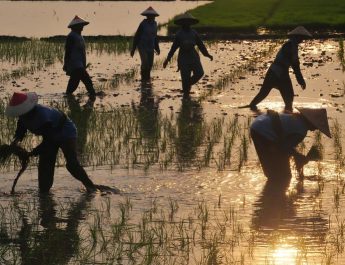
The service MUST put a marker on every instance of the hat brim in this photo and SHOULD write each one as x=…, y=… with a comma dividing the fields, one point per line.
x=26, y=106
x=78, y=24
x=320, y=122
x=186, y=21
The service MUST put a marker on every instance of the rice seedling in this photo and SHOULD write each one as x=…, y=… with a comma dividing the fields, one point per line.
x=341, y=55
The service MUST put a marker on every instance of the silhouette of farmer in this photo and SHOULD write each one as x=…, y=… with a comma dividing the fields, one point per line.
x=277, y=75
x=57, y=130
x=188, y=59
x=275, y=136
x=75, y=58
x=145, y=39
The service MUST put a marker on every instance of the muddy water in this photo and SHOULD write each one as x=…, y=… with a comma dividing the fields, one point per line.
x=49, y=18
x=158, y=148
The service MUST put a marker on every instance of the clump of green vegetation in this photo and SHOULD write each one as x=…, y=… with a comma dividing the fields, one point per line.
x=341, y=55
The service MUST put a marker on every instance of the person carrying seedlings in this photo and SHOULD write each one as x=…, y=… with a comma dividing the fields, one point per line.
x=58, y=132
x=75, y=58
x=275, y=136
x=277, y=75
x=145, y=39
x=188, y=60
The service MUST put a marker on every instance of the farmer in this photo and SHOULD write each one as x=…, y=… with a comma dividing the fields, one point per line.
x=57, y=130
x=145, y=39
x=188, y=58
x=75, y=58
x=277, y=75
x=275, y=137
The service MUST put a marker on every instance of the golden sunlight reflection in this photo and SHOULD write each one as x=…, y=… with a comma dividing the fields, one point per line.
x=284, y=254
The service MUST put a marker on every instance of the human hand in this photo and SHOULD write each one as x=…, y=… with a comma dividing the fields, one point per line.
x=158, y=52
x=303, y=84
x=132, y=53
x=210, y=56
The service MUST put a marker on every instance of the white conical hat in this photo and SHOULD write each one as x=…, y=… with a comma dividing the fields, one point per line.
x=318, y=118
x=21, y=103
x=78, y=21
x=150, y=12
x=301, y=31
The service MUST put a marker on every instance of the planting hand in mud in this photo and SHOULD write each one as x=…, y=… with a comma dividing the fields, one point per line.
x=165, y=63
x=58, y=132
x=276, y=135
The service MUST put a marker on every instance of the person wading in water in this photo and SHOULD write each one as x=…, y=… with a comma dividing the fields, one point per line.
x=277, y=75
x=188, y=60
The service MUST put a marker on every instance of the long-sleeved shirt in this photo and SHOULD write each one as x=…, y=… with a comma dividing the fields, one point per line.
x=186, y=40
x=75, y=54
x=145, y=37
x=47, y=122
x=286, y=57
x=294, y=130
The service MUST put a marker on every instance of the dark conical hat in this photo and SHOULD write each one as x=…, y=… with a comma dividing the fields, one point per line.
x=150, y=12
x=185, y=19
x=300, y=31
x=318, y=118
x=78, y=21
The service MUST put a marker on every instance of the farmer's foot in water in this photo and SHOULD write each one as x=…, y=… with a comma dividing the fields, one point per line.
x=102, y=189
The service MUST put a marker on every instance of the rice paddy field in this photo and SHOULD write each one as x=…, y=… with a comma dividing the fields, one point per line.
x=251, y=15
x=191, y=188
x=192, y=191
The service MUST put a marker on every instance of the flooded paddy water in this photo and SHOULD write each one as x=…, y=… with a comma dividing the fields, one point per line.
x=192, y=191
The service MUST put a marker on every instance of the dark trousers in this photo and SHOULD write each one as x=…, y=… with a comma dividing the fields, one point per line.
x=76, y=76
x=190, y=75
x=284, y=86
x=146, y=58
x=47, y=159
x=274, y=162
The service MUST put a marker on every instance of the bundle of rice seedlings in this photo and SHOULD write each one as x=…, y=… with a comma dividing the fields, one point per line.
x=6, y=151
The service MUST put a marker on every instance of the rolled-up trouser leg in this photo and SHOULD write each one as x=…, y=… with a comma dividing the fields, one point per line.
x=286, y=90
x=69, y=149
x=46, y=165
x=269, y=83
x=186, y=72
x=198, y=73
x=274, y=162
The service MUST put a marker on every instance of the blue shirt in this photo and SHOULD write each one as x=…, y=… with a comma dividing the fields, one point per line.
x=146, y=36
x=46, y=122
x=293, y=125
x=75, y=54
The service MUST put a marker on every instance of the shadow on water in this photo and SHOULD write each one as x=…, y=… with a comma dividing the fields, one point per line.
x=81, y=116
x=52, y=239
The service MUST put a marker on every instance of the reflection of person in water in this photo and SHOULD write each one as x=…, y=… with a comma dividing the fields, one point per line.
x=188, y=59
x=276, y=135
x=277, y=75
x=81, y=117
x=57, y=131
x=147, y=115
x=277, y=211
x=75, y=58
x=145, y=39
x=59, y=240
x=190, y=131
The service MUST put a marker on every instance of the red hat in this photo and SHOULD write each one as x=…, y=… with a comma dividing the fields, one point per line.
x=21, y=103
x=78, y=21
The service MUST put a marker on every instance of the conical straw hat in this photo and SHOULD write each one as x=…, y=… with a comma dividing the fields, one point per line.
x=185, y=19
x=21, y=103
x=318, y=118
x=150, y=12
x=301, y=31
x=77, y=21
